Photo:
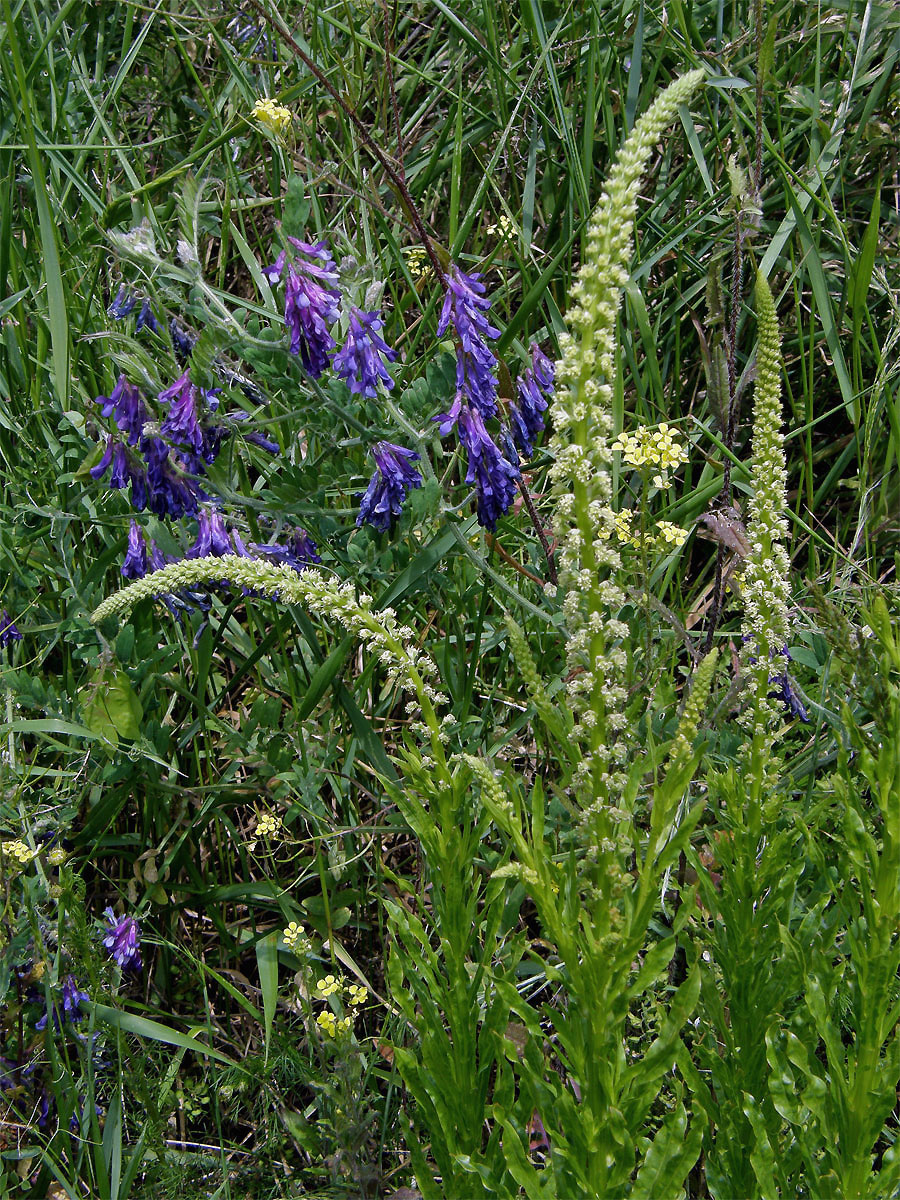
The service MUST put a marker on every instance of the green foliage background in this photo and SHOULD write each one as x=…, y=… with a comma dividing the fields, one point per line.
x=152, y=749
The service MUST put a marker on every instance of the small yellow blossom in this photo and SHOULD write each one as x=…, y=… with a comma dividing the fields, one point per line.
x=328, y=986
x=274, y=117
x=503, y=227
x=19, y=851
x=623, y=520
x=345, y=1024
x=326, y=1021
x=356, y=994
x=417, y=261
x=295, y=938
x=268, y=825
x=670, y=534
x=652, y=448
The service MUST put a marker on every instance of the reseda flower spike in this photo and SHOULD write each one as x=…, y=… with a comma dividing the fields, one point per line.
x=581, y=414
x=765, y=582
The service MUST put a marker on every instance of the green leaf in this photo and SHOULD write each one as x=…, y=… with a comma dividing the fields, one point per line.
x=762, y=1156
x=670, y=1157
x=110, y=706
x=158, y=1032
x=267, y=963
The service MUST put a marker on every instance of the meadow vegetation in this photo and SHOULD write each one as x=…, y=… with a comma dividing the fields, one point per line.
x=449, y=648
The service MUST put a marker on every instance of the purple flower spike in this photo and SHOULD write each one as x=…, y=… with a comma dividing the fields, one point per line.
x=361, y=361
x=476, y=364
x=311, y=304
x=298, y=552
x=172, y=493
x=122, y=305
x=127, y=405
x=124, y=470
x=212, y=537
x=134, y=565
x=534, y=386
x=72, y=1000
x=389, y=486
x=182, y=342
x=449, y=419
x=8, y=631
x=783, y=691
x=182, y=424
x=123, y=940
x=493, y=475
x=146, y=319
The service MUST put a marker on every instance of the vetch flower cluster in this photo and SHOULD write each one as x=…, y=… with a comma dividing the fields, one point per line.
x=72, y=999
x=9, y=631
x=162, y=459
x=534, y=388
x=124, y=303
x=393, y=479
x=311, y=301
x=361, y=362
x=123, y=941
x=466, y=307
x=493, y=472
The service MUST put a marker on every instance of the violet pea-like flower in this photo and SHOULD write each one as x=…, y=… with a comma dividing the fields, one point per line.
x=534, y=388
x=311, y=305
x=212, y=537
x=134, y=565
x=394, y=478
x=493, y=474
x=126, y=404
x=9, y=632
x=360, y=363
x=465, y=308
x=122, y=939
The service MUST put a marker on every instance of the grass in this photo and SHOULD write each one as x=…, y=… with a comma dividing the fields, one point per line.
x=150, y=749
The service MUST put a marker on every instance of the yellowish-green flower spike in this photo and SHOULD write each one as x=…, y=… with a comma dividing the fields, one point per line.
x=524, y=660
x=765, y=584
x=380, y=632
x=584, y=521
x=695, y=705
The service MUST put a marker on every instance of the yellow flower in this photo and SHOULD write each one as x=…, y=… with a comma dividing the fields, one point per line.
x=273, y=117
x=268, y=825
x=503, y=226
x=328, y=986
x=417, y=261
x=295, y=938
x=651, y=448
x=356, y=994
x=670, y=534
x=326, y=1022
x=19, y=851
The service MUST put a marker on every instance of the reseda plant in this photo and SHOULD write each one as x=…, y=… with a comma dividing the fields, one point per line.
x=595, y=919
